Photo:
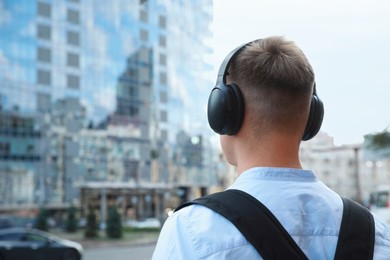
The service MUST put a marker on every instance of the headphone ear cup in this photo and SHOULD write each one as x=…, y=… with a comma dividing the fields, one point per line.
x=316, y=116
x=239, y=107
x=225, y=110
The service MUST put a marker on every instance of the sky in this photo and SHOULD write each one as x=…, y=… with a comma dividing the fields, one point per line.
x=347, y=43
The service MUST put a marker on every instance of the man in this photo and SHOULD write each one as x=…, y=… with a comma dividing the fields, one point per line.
x=273, y=83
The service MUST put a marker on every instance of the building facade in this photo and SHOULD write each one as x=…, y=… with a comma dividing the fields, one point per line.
x=107, y=89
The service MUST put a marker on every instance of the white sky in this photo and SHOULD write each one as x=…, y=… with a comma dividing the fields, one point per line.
x=347, y=43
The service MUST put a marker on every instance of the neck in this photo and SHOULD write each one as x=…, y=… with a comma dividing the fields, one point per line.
x=270, y=151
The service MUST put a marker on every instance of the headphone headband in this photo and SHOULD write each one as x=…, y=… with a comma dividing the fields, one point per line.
x=223, y=69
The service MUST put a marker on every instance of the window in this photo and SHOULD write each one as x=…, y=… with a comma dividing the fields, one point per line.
x=164, y=134
x=144, y=16
x=143, y=74
x=44, y=54
x=16, y=236
x=144, y=35
x=163, y=97
x=163, y=116
x=133, y=111
x=43, y=102
x=44, y=9
x=44, y=31
x=73, y=81
x=73, y=60
x=73, y=16
x=132, y=91
x=5, y=148
x=163, y=59
x=43, y=77
x=162, y=41
x=144, y=55
x=73, y=38
x=30, y=149
x=163, y=78
x=162, y=22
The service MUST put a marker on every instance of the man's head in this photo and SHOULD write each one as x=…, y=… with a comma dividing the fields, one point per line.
x=276, y=81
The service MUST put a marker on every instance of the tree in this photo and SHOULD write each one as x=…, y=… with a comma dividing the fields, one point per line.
x=41, y=220
x=378, y=141
x=91, y=228
x=71, y=222
x=114, y=223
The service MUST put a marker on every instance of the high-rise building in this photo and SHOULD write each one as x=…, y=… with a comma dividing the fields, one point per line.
x=77, y=67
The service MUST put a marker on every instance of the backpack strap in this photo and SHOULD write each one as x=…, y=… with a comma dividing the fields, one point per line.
x=357, y=232
x=270, y=239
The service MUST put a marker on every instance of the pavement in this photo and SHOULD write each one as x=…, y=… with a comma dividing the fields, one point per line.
x=128, y=240
x=89, y=244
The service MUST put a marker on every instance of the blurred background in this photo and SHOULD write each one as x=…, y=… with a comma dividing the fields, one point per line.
x=103, y=103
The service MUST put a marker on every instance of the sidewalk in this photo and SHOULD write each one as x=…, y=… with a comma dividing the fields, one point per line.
x=129, y=239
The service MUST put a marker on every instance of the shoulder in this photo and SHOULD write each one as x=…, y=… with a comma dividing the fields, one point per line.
x=382, y=239
x=200, y=232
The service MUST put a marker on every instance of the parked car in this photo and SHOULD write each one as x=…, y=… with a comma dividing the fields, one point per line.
x=5, y=222
x=24, y=243
x=146, y=223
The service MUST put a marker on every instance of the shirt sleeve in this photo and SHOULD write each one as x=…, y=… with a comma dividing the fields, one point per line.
x=174, y=241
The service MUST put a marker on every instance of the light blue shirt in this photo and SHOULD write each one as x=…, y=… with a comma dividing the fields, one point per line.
x=307, y=209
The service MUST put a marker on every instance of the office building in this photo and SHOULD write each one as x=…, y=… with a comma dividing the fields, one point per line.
x=85, y=74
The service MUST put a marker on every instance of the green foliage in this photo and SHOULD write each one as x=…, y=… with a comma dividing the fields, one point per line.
x=41, y=220
x=71, y=221
x=154, y=154
x=378, y=141
x=92, y=228
x=114, y=223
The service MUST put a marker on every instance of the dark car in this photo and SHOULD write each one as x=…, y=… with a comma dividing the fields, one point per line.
x=23, y=243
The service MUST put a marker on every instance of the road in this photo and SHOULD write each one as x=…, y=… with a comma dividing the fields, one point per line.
x=142, y=252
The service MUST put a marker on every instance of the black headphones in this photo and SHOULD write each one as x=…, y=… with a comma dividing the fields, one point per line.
x=225, y=109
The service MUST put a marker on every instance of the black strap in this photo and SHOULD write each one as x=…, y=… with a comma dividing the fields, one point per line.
x=270, y=239
x=357, y=233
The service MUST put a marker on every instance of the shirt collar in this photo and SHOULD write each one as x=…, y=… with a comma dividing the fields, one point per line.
x=278, y=174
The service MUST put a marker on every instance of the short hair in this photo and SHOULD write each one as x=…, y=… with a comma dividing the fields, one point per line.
x=276, y=80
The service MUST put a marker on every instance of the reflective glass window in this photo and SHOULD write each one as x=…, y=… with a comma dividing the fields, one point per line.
x=144, y=16
x=163, y=116
x=164, y=134
x=73, y=38
x=144, y=35
x=144, y=55
x=162, y=21
x=44, y=54
x=44, y=31
x=144, y=74
x=43, y=77
x=162, y=41
x=73, y=16
x=163, y=59
x=73, y=60
x=44, y=9
x=73, y=81
x=43, y=102
x=163, y=97
x=163, y=78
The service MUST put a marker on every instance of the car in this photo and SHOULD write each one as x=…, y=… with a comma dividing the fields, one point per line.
x=146, y=223
x=5, y=222
x=29, y=243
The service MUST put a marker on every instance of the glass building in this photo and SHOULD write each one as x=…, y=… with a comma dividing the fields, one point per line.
x=103, y=91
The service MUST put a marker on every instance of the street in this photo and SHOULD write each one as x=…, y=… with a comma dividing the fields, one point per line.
x=141, y=252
